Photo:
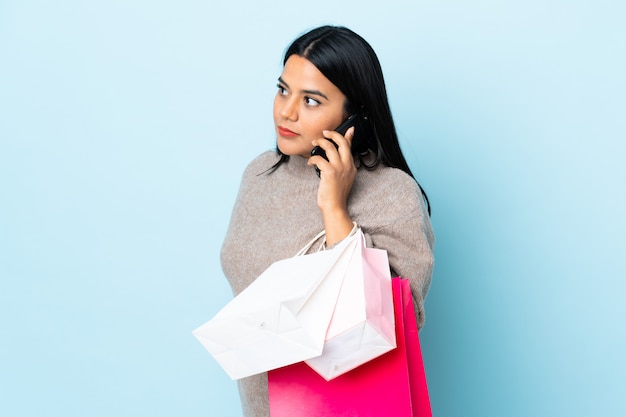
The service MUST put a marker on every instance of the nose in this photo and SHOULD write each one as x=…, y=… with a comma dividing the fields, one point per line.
x=289, y=109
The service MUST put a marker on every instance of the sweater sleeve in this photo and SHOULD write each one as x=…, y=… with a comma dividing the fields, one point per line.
x=402, y=227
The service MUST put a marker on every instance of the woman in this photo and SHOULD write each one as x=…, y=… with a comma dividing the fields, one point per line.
x=329, y=74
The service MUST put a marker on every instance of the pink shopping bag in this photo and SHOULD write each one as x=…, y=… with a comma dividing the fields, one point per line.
x=393, y=384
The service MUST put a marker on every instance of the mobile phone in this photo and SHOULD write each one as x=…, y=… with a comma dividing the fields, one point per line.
x=341, y=129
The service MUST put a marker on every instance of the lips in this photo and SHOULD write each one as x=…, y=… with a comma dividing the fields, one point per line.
x=286, y=133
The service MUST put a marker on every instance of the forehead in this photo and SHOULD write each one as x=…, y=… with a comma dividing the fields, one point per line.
x=300, y=74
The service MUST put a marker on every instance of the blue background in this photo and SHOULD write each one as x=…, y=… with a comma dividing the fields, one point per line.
x=124, y=130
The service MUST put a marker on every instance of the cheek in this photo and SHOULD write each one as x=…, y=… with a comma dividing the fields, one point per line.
x=311, y=132
x=315, y=126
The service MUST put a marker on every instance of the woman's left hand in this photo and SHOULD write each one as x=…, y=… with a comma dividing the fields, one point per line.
x=336, y=180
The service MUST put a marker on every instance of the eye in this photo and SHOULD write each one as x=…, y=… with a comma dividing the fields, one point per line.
x=311, y=102
x=281, y=90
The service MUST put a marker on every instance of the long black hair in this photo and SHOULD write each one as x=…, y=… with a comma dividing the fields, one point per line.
x=350, y=63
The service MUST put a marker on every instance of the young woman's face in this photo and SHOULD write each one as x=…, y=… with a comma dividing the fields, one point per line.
x=306, y=104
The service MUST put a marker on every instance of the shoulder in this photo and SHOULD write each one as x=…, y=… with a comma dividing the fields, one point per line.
x=261, y=163
x=395, y=177
x=388, y=196
x=389, y=187
x=253, y=172
x=259, y=166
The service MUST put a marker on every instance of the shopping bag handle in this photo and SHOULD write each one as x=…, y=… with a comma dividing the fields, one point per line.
x=308, y=246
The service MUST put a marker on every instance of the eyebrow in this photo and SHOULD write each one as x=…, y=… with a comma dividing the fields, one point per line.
x=312, y=92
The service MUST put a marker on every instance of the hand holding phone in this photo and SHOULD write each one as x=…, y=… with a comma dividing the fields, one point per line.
x=341, y=129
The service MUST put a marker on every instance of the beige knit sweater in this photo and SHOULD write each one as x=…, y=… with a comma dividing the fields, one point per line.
x=276, y=214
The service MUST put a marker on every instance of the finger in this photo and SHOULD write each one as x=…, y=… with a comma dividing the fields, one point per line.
x=348, y=150
x=329, y=146
x=318, y=161
x=326, y=143
x=344, y=149
x=339, y=140
x=338, y=137
x=350, y=134
x=331, y=134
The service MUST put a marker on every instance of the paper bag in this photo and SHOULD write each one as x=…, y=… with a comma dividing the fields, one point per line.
x=391, y=385
x=283, y=316
x=362, y=325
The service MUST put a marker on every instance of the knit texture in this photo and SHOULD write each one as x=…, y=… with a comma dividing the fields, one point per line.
x=276, y=214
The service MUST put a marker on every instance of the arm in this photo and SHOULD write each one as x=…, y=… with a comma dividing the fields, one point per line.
x=399, y=223
x=409, y=246
x=336, y=180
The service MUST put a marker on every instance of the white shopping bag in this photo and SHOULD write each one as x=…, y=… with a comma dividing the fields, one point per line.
x=363, y=325
x=283, y=316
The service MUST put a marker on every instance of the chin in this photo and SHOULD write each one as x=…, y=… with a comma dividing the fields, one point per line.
x=291, y=149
